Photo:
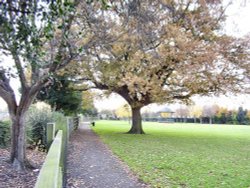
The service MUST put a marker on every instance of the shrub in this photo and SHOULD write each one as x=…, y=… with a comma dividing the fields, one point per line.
x=59, y=119
x=4, y=133
x=37, y=120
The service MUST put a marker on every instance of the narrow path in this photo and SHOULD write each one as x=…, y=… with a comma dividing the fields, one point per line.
x=92, y=165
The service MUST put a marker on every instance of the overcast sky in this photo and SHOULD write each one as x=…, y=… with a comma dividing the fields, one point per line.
x=237, y=22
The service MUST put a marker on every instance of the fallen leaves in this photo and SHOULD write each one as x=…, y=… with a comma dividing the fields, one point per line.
x=9, y=177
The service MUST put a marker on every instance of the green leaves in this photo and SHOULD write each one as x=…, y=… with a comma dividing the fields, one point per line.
x=4, y=134
x=49, y=30
x=61, y=96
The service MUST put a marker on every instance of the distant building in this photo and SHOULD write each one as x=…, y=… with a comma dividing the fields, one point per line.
x=166, y=112
x=165, y=115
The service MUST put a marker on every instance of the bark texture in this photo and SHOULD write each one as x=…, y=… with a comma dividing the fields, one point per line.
x=18, y=157
x=136, y=122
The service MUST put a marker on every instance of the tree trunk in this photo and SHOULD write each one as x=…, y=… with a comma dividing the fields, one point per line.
x=18, y=157
x=18, y=135
x=201, y=120
x=210, y=120
x=185, y=119
x=136, y=122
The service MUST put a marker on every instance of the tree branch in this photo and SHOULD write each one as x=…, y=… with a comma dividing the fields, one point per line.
x=6, y=92
x=60, y=60
x=20, y=70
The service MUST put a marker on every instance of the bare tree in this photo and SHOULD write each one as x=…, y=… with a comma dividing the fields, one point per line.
x=210, y=112
x=182, y=112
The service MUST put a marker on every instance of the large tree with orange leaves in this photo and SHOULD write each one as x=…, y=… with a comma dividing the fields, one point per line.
x=158, y=51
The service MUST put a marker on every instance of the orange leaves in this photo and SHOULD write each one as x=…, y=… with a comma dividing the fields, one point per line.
x=165, y=51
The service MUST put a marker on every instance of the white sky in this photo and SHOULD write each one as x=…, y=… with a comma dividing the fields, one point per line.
x=230, y=102
x=238, y=13
x=237, y=24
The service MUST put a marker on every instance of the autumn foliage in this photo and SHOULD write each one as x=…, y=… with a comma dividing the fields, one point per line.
x=158, y=51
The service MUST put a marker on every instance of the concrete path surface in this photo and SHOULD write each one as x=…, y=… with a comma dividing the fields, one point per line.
x=91, y=164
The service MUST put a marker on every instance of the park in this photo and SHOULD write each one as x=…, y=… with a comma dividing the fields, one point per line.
x=182, y=155
x=59, y=58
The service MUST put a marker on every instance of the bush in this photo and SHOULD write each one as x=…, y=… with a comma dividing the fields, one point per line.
x=37, y=120
x=4, y=134
x=60, y=120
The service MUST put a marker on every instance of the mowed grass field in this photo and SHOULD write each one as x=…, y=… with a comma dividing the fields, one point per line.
x=183, y=155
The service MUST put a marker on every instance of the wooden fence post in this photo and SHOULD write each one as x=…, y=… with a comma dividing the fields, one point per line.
x=50, y=134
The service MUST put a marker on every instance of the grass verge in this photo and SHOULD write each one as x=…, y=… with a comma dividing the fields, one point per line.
x=183, y=155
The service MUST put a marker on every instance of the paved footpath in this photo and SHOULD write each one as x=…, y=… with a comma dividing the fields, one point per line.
x=92, y=165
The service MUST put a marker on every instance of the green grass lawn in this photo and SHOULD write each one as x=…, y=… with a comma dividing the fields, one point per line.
x=183, y=155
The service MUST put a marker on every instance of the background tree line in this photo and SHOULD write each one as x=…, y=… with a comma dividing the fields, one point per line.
x=209, y=114
x=213, y=114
